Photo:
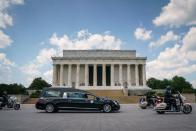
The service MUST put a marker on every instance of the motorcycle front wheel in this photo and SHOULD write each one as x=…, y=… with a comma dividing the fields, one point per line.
x=187, y=109
x=16, y=106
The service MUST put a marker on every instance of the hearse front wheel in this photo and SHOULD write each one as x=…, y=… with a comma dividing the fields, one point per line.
x=107, y=108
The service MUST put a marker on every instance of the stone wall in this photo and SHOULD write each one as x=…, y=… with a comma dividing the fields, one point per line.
x=21, y=98
x=99, y=53
x=190, y=97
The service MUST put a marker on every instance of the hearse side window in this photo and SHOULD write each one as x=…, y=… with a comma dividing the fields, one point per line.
x=51, y=93
x=75, y=95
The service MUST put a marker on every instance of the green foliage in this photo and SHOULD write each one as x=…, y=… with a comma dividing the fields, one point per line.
x=154, y=83
x=160, y=94
x=178, y=83
x=38, y=84
x=35, y=94
x=13, y=88
x=150, y=93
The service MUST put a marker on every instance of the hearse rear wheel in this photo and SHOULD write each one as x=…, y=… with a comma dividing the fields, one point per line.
x=50, y=108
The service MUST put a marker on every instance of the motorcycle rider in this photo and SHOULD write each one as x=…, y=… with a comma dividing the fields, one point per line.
x=168, y=98
x=5, y=97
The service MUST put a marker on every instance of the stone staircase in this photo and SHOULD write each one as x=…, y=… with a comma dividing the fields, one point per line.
x=116, y=95
x=30, y=101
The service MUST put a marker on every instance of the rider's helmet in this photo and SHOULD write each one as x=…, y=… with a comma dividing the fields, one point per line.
x=168, y=88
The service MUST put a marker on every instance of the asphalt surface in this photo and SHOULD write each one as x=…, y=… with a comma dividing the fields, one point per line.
x=130, y=118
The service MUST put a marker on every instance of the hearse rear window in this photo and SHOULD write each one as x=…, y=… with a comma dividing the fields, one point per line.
x=51, y=93
x=75, y=95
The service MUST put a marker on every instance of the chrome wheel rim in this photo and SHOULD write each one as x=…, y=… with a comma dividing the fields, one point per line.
x=187, y=109
x=49, y=108
x=107, y=108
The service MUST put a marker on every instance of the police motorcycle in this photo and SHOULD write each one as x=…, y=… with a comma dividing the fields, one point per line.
x=149, y=103
x=11, y=102
x=149, y=100
x=179, y=105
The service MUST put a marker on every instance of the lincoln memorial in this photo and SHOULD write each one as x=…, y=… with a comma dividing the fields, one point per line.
x=100, y=70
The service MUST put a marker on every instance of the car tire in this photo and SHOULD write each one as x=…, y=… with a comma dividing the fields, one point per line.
x=107, y=108
x=16, y=106
x=160, y=112
x=143, y=107
x=50, y=108
x=187, y=109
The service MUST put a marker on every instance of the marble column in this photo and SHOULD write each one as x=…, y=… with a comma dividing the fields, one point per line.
x=77, y=75
x=54, y=82
x=120, y=74
x=136, y=75
x=112, y=74
x=61, y=74
x=144, y=74
x=95, y=75
x=86, y=75
x=103, y=75
x=128, y=75
x=69, y=75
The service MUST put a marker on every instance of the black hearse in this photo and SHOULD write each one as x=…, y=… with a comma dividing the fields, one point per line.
x=54, y=99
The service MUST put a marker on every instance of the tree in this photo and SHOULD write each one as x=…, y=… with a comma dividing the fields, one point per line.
x=13, y=88
x=178, y=83
x=154, y=83
x=39, y=84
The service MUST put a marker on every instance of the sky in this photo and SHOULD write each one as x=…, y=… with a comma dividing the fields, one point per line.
x=31, y=31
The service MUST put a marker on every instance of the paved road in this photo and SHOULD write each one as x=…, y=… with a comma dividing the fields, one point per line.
x=130, y=118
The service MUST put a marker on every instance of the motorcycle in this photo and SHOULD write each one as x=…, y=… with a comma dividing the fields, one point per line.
x=149, y=102
x=178, y=106
x=11, y=103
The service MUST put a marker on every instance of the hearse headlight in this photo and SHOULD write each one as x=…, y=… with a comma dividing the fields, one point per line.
x=115, y=102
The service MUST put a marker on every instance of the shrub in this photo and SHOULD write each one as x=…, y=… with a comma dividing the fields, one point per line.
x=35, y=94
x=160, y=94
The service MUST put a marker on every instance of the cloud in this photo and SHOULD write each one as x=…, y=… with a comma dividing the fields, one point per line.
x=193, y=83
x=142, y=34
x=6, y=74
x=6, y=65
x=47, y=75
x=5, y=68
x=190, y=40
x=5, y=40
x=168, y=37
x=177, y=13
x=5, y=61
x=32, y=69
x=6, y=20
x=176, y=60
x=86, y=40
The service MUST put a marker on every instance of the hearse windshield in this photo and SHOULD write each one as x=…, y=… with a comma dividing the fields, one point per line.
x=51, y=93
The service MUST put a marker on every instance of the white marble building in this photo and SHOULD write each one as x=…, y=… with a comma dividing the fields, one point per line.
x=100, y=70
